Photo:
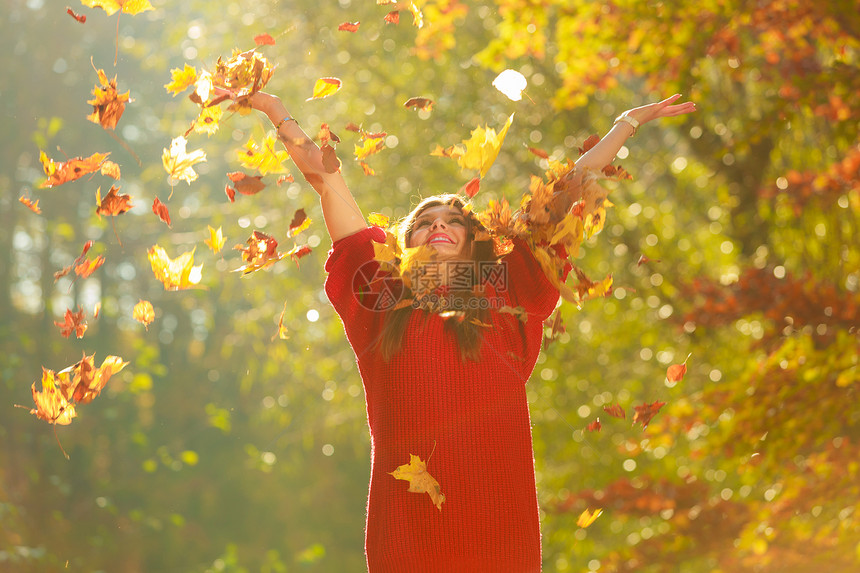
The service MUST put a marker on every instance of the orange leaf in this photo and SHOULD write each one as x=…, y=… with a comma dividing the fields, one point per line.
x=675, y=373
x=419, y=103
x=368, y=170
x=590, y=142
x=330, y=161
x=349, y=27
x=586, y=518
x=539, y=152
x=264, y=40
x=247, y=184
x=113, y=204
x=594, y=426
x=61, y=273
x=108, y=104
x=645, y=412
x=261, y=252
x=51, y=405
x=73, y=322
x=89, y=381
x=32, y=205
x=59, y=173
x=392, y=17
x=282, y=332
x=160, y=209
x=420, y=481
x=325, y=87
x=144, y=313
x=88, y=267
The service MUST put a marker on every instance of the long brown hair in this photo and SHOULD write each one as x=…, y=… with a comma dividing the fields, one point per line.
x=466, y=324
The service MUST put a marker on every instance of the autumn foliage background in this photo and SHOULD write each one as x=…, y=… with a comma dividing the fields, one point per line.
x=222, y=447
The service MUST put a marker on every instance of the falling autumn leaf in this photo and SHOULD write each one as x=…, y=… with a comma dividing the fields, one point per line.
x=378, y=219
x=110, y=7
x=160, y=209
x=645, y=412
x=144, y=313
x=260, y=252
x=325, y=87
x=59, y=173
x=349, y=27
x=51, y=404
x=298, y=252
x=61, y=273
x=79, y=17
x=32, y=205
x=589, y=142
x=264, y=40
x=587, y=517
x=299, y=223
x=108, y=104
x=88, y=267
x=175, y=274
x=616, y=411
x=511, y=83
x=113, y=203
x=392, y=17
x=216, y=240
x=472, y=187
x=282, y=332
x=594, y=426
x=419, y=103
x=181, y=79
x=110, y=169
x=246, y=184
x=480, y=150
x=178, y=163
x=420, y=480
x=209, y=120
x=675, y=373
x=266, y=158
x=73, y=322
x=539, y=152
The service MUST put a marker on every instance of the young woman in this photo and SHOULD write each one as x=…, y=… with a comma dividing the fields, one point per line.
x=448, y=387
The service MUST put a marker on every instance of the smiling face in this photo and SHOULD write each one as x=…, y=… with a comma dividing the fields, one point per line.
x=443, y=227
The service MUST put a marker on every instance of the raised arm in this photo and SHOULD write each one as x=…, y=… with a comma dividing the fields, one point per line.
x=626, y=125
x=340, y=211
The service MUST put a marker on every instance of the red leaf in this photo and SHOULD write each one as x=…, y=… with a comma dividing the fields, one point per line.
x=74, y=322
x=393, y=17
x=79, y=17
x=645, y=412
x=594, y=426
x=539, y=152
x=419, y=103
x=160, y=209
x=246, y=184
x=298, y=252
x=472, y=187
x=616, y=411
x=231, y=193
x=264, y=40
x=590, y=142
x=349, y=27
x=675, y=372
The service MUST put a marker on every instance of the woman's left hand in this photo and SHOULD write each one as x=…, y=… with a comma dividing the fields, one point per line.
x=665, y=108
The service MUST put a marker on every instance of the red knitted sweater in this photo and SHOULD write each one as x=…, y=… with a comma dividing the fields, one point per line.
x=472, y=416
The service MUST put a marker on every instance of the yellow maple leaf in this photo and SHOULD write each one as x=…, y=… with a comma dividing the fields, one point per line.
x=112, y=6
x=420, y=481
x=378, y=219
x=178, y=163
x=208, y=120
x=325, y=87
x=175, y=274
x=144, y=313
x=587, y=517
x=216, y=240
x=181, y=79
x=483, y=147
x=265, y=158
x=369, y=146
x=51, y=405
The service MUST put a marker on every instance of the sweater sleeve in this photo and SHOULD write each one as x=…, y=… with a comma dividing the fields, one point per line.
x=353, y=288
x=529, y=287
